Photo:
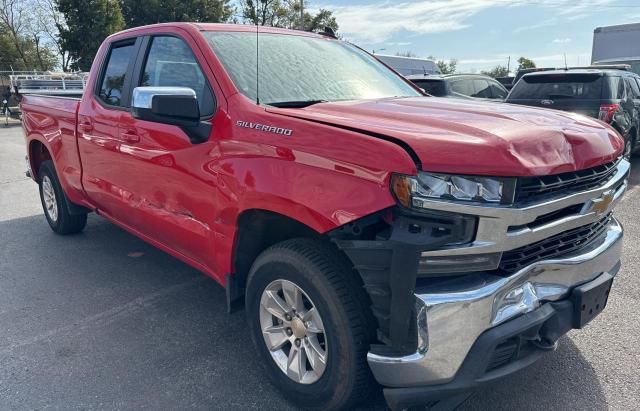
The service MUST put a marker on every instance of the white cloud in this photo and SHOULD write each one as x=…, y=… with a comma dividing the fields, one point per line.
x=562, y=41
x=545, y=23
x=376, y=22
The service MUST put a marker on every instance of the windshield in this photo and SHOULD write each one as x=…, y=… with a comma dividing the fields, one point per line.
x=299, y=68
x=553, y=87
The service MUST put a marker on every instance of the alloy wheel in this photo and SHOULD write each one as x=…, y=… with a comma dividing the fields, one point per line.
x=293, y=331
x=49, y=198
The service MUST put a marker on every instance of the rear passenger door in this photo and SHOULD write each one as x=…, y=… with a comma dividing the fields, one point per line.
x=99, y=118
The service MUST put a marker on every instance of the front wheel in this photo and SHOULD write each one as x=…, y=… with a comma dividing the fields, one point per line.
x=310, y=322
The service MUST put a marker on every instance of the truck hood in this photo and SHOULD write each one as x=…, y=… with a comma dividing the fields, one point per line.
x=472, y=137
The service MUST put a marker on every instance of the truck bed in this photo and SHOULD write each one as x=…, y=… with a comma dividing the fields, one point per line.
x=55, y=119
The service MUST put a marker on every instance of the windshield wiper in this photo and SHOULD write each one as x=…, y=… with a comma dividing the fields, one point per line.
x=295, y=104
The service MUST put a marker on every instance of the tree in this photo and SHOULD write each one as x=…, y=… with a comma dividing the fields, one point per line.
x=21, y=33
x=88, y=23
x=447, y=67
x=406, y=54
x=139, y=13
x=285, y=14
x=444, y=66
x=525, y=63
x=324, y=18
x=21, y=44
x=14, y=20
x=27, y=60
x=49, y=19
x=497, y=71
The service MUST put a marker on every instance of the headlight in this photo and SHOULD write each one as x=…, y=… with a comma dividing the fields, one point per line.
x=412, y=191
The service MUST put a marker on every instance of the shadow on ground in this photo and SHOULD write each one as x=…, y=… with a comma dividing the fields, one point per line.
x=103, y=320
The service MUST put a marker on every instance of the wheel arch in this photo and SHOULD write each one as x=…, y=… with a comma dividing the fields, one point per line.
x=38, y=153
x=257, y=230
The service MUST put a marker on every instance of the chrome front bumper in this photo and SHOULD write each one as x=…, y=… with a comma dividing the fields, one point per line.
x=457, y=312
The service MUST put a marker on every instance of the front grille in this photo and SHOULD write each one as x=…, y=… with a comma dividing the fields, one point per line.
x=530, y=189
x=553, y=247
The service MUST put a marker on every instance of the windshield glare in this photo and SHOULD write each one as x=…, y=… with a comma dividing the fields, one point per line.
x=299, y=68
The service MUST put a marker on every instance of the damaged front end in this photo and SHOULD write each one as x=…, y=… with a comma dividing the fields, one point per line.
x=385, y=249
x=471, y=281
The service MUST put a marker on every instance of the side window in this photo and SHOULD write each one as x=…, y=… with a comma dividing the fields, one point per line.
x=115, y=71
x=482, y=88
x=171, y=63
x=497, y=91
x=621, y=90
x=463, y=87
x=633, y=86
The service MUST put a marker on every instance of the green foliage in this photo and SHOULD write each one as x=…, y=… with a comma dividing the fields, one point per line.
x=447, y=67
x=26, y=55
x=525, y=63
x=140, y=13
x=324, y=18
x=88, y=23
x=497, y=71
x=286, y=14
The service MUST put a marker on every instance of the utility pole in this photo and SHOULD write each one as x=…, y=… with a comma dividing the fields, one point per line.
x=301, y=14
x=509, y=65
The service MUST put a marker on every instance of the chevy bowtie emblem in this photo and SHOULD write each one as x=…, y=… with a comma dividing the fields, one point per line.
x=601, y=205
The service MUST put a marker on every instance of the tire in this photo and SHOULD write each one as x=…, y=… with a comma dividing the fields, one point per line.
x=329, y=284
x=54, y=203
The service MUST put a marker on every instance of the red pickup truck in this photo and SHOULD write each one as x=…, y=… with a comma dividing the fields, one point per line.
x=372, y=233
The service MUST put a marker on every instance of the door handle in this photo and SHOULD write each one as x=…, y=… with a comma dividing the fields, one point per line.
x=85, y=126
x=130, y=137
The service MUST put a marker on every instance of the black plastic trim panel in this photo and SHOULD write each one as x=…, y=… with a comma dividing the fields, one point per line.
x=388, y=266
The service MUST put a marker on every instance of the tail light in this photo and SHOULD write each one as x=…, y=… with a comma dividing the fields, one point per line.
x=607, y=111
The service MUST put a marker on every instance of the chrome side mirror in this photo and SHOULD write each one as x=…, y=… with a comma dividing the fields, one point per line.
x=168, y=105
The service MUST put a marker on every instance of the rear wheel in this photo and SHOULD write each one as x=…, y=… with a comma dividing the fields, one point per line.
x=54, y=203
x=309, y=319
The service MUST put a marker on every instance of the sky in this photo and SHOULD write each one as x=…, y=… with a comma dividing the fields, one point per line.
x=481, y=34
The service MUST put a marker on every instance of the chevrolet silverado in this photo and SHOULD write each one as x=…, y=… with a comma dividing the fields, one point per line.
x=373, y=235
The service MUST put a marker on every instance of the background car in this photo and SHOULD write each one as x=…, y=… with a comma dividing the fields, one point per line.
x=409, y=65
x=467, y=86
x=610, y=95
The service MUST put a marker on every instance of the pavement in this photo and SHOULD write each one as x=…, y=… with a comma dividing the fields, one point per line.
x=102, y=320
